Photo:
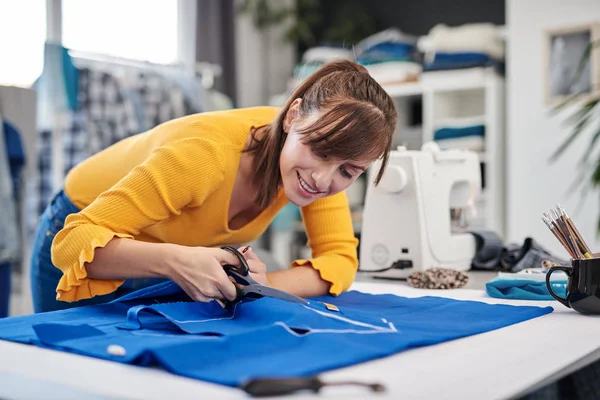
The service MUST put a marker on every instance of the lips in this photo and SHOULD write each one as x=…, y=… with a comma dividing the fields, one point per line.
x=306, y=189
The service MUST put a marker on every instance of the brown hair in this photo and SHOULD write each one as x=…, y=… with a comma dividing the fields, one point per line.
x=358, y=121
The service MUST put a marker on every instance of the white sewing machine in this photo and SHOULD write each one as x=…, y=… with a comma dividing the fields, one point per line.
x=407, y=224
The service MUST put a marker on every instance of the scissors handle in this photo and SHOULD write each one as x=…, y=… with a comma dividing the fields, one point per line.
x=243, y=268
x=240, y=274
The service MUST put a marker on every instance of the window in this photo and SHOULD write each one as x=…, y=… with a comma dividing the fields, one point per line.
x=136, y=29
x=22, y=36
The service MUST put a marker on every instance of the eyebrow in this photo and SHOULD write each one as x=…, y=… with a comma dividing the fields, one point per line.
x=357, y=167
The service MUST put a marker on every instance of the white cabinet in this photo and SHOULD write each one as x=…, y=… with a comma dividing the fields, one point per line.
x=461, y=98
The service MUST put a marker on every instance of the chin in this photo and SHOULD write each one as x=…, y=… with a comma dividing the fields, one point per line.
x=294, y=198
x=295, y=194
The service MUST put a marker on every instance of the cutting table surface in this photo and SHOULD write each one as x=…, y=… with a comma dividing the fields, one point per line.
x=501, y=364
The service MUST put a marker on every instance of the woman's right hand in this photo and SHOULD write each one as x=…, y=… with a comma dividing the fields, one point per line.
x=199, y=272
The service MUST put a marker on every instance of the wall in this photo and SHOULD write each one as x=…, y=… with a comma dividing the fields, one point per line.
x=264, y=62
x=534, y=185
x=215, y=40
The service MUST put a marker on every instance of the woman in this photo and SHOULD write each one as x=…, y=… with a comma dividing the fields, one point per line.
x=193, y=184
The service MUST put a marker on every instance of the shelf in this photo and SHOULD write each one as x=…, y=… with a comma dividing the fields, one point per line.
x=458, y=79
x=404, y=89
x=443, y=81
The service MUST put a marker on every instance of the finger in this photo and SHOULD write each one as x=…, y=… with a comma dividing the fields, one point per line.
x=220, y=303
x=257, y=267
x=226, y=287
x=243, y=249
x=198, y=296
x=251, y=255
x=225, y=257
x=191, y=291
x=212, y=292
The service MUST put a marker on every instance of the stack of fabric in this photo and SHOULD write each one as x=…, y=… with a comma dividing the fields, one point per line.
x=464, y=46
x=463, y=133
x=390, y=56
x=314, y=58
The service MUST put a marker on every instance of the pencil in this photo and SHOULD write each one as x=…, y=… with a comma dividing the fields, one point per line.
x=585, y=248
x=548, y=221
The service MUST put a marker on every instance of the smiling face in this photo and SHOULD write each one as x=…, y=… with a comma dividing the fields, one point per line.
x=307, y=174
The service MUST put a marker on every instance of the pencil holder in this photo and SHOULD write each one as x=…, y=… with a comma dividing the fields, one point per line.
x=583, y=285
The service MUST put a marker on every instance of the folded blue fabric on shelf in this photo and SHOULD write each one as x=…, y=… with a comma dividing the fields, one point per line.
x=524, y=289
x=459, y=60
x=263, y=337
x=459, y=132
x=387, y=51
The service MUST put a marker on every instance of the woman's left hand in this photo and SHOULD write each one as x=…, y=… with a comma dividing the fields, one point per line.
x=258, y=269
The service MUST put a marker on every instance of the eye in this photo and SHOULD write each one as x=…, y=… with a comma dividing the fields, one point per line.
x=346, y=173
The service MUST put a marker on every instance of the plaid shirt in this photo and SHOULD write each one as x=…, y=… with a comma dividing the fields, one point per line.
x=111, y=108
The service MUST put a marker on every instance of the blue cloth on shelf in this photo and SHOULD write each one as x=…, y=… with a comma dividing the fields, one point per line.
x=460, y=132
x=524, y=289
x=387, y=51
x=459, y=60
x=459, y=57
x=257, y=338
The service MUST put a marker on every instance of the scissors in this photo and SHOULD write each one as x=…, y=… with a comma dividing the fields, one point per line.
x=247, y=286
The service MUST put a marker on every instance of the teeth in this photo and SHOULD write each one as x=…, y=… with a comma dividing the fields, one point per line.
x=306, y=187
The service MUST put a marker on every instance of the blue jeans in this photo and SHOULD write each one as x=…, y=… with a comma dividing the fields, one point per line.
x=5, y=287
x=45, y=276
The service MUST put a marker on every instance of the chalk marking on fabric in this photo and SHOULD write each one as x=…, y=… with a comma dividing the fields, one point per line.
x=389, y=328
x=186, y=336
x=350, y=321
x=335, y=331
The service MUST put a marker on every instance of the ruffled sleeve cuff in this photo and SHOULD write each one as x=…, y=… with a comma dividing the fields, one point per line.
x=75, y=284
x=332, y=268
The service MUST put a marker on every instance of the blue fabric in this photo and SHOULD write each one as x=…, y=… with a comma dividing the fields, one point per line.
x=16, y=154
x=5, y=287
x=71, y=78
x=462, y=57
x=460, y=60
x=44, y=276
x=455, y=133
x=257, y=338
x=523, y=289
x=387, y=51
x=388, y=48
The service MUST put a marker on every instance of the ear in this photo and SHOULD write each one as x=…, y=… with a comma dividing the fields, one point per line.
x=292, y=114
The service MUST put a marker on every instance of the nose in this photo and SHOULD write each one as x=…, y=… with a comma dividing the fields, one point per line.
x=322, y=178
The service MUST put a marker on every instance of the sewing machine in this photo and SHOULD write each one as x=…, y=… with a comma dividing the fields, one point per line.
x=408, y=222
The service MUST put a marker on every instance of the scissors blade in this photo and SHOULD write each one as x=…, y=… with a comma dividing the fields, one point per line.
x=270, y=292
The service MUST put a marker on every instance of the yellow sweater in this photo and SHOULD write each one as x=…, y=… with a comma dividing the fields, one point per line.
x=173, y=184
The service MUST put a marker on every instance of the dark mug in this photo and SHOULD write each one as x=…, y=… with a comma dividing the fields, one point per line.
x=583, y=285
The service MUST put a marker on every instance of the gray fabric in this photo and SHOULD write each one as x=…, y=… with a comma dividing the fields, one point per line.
x=492, y=254
x=9, y=232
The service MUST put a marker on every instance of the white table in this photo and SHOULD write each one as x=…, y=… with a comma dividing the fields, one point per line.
x=501, y=364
